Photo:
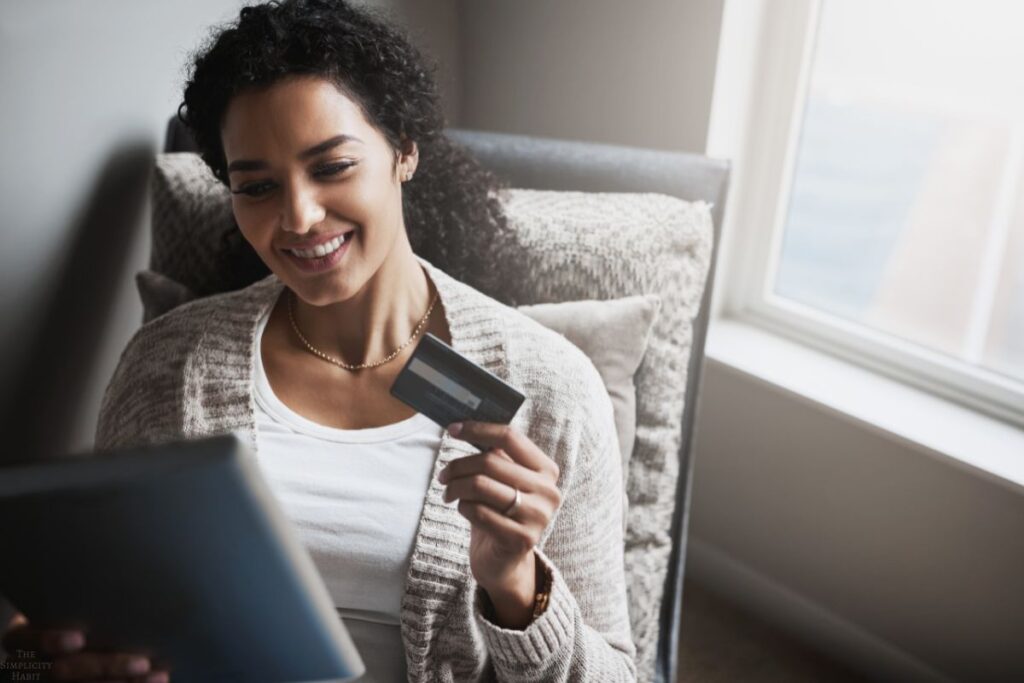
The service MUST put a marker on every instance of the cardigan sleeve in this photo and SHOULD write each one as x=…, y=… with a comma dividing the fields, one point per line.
x=584, y=634
x=124, y=403
x=141, y=404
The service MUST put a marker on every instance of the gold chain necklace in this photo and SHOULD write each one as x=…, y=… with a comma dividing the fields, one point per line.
x=360, y=366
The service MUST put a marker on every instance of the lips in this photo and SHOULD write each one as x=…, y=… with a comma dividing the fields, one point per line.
x=326, y=252
x=322, y=249
x=313, y=243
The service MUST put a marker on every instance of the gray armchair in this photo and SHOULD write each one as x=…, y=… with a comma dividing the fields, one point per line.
x=547, y=164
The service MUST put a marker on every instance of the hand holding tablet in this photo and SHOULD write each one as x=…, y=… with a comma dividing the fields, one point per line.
x=72, y=660
x=178, y=553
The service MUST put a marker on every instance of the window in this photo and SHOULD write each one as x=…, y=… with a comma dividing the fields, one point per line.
x=895, y=190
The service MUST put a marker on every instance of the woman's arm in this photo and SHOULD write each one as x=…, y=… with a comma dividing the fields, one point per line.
x=142, y=403
x=584, y=634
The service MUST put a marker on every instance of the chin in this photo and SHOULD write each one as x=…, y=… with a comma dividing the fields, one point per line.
x=322, y=291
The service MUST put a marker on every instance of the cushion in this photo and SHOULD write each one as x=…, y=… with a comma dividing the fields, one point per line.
x=567, y=246
x=614, y=335
x=576, y=245
x=195, y=241
x=160, y=293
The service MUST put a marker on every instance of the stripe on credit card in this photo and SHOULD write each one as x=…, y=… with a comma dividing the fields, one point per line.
x=453, y=389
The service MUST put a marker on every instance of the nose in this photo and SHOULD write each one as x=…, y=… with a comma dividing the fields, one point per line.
x=301, y=209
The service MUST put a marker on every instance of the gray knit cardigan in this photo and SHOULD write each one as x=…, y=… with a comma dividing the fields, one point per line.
x=189, y=374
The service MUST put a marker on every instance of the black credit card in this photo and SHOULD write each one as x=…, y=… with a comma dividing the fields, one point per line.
x=447, y=387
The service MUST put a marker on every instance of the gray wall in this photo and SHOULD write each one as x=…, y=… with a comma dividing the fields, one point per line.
x=634, y=73
x=891, y=557
x=434, y=27
x=81, y=80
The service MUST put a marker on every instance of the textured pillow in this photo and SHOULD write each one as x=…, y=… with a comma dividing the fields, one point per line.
x=568, y=246
x=614, y=335
x=160, y=293
x=195, y=241
x=575, y=245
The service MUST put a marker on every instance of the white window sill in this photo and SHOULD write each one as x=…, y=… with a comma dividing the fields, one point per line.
x=934, y=425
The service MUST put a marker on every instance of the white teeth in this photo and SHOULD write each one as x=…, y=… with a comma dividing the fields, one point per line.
x=321, y=250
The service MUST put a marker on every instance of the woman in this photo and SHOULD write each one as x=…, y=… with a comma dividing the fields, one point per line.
x=318, y=117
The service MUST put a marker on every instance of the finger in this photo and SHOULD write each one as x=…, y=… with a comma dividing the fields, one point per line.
x=516, y=538
x=494, y=463
x=97, y=664
x=153, y=677
x=536, y=506
x=479, y=488
x=506, y=437
x=48, y=641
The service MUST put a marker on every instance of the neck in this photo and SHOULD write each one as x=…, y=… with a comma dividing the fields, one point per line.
x=370, y=325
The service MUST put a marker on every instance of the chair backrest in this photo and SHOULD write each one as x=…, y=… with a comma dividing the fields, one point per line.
x=549, y=164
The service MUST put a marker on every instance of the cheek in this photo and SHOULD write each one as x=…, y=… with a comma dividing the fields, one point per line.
x=372, y=205
x=255, y=222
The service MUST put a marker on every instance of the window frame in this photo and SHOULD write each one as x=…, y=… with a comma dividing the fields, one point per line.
x=766, y=52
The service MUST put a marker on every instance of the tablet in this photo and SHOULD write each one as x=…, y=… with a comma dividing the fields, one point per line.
x=178, y=551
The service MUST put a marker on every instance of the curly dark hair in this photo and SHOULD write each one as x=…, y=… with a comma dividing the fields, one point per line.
x=451, y=207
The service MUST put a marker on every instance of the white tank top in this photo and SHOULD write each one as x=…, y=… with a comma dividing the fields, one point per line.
x=355, y=497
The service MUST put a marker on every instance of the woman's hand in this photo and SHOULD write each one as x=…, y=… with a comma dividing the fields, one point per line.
x=71, y=661
x=501, y=546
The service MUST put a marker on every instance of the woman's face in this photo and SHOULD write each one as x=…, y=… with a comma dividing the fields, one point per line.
x=316, y=189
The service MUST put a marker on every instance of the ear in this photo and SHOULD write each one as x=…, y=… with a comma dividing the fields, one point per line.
x=408, y=159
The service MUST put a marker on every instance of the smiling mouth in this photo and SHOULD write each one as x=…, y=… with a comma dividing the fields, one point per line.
x=321, y=250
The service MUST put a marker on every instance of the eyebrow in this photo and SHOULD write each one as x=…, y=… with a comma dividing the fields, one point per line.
x=319, y=148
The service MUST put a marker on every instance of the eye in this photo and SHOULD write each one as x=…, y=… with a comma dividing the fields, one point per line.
x=328, y=170
x=260, y=188
x=254, y=188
